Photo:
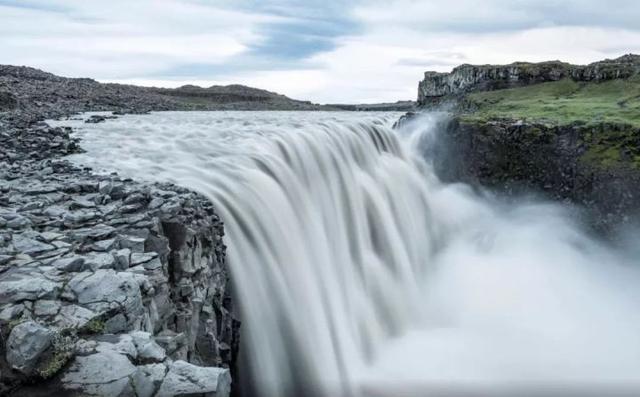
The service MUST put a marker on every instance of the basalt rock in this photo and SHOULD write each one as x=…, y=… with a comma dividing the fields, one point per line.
x=436, y=87
x=593, y=166
x=108, y=286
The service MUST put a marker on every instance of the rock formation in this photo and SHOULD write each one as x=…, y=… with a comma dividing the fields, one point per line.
x=108, y=286
x=583, y=160
x=468, y=78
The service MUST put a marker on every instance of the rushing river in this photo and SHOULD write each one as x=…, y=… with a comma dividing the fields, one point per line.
x=359, y=273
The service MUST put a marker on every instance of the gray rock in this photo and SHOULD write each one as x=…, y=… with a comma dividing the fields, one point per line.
x=138, y=258
x=46, y=308
x=122, y=344
x=103, y=374
x=148, y=349
x=113, y=189
x=135, y=244
x=78, y=217
x=185, y=378
x=148, y=378
x=4, y=259
x=30, y=246
x=50, y=236
x=26, y=344
x=71, y=264
x=97, y=232
x=11, y=312
x=122, y=258
x=73, y=316
x=28, y=288
x=19, y=222
x=104, y=245
x=107, y=290
x=153, y=264
x=100, y=260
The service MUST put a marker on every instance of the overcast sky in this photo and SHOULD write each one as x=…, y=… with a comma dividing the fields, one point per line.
x=320, y=50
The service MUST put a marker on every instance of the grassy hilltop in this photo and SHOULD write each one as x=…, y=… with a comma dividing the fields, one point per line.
x=561, y=103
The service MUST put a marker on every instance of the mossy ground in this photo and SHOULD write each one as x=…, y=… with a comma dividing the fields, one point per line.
x=561, y=103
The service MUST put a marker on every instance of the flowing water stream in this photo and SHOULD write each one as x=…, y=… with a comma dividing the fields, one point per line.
x=359, y=273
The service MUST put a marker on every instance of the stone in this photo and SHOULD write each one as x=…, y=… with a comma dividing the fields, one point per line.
x=185, y=378
x=138, y=258
x=19, y=222
x=107, y=290
x=148, y=349
x=122, y=344
x=96, y=232
x=153, y=264
x=11, y=312
x=28, y=288
x=46, y=308
x=26, y=343
x=78, y=217
x=100, y=260
x=135, y=244
x=50, y=236
x=148, y=379
x=104, y=245
x=73, y=316
x=105, y=373
x=71, y=264
x=122, y=257
x=30, y=246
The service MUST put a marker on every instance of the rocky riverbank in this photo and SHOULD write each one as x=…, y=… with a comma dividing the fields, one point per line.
x=108, y=286
x=569, y=132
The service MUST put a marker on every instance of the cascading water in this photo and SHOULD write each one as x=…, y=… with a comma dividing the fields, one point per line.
x=359, y=273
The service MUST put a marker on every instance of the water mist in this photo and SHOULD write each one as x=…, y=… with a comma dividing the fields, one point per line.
x=359, y=273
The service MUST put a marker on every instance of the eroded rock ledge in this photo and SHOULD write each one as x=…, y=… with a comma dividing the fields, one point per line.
x=108, y=286
x=468, y=78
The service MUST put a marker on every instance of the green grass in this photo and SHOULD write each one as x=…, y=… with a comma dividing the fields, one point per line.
x=561, y=102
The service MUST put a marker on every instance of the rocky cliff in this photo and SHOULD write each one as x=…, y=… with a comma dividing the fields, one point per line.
x=569, y=132
x=108, y=287
x=468, y=78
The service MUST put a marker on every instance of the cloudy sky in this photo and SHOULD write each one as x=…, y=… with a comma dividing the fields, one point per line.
x=326, y=51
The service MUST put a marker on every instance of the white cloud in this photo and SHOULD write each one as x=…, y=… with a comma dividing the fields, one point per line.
x=125, y=38
x=148, y=41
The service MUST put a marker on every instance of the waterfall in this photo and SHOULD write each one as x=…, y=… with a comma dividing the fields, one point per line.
x=359, y=273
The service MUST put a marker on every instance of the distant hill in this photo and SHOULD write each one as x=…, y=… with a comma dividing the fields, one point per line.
x=399, y=106
x=35, y=94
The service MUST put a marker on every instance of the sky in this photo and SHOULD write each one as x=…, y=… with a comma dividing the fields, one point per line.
x=326, y=51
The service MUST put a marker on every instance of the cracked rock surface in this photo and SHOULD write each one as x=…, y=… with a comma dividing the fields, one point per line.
x=108, y=286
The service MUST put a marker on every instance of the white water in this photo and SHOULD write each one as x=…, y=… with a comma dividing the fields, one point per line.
x=359, y=273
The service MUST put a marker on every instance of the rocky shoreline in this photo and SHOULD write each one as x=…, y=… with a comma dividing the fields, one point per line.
x=108, y=286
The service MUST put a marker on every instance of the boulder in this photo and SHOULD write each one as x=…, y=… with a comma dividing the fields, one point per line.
x=148, y=349
x=148, y=378
x=184, y=378
x=70, y=264
x=106, y=291
x=27, y=287
x=26, y=343
x=106, y=373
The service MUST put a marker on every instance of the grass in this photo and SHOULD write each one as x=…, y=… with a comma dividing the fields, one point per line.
x=94, y=326
x=561, y=102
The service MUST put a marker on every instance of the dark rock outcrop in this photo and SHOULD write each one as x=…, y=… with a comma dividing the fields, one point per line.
x=593, y=166
x=468, y=78
x=108, y=286
x=85, y=258
x=35, y=95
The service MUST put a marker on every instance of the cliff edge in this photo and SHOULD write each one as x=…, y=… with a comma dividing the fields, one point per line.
x=570, y=132
x=470, y=78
